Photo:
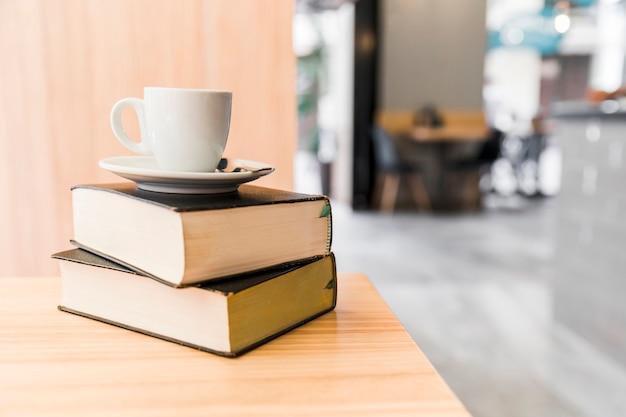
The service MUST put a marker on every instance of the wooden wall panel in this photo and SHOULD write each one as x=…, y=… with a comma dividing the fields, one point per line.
x=64, y=63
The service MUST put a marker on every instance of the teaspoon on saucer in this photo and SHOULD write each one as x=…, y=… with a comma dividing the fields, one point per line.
x=230, y=165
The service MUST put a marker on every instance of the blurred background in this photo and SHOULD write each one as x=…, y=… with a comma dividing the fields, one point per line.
x=473, y=152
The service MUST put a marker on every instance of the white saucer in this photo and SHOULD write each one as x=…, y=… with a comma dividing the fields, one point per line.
x=144, y=171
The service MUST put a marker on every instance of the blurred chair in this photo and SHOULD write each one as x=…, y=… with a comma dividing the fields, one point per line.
x=466, y=174
x=391, y=169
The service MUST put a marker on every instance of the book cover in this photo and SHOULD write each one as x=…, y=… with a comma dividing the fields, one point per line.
x=246, y=196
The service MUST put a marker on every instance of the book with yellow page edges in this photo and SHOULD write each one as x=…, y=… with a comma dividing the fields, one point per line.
x=228, y=317
x=186, y=239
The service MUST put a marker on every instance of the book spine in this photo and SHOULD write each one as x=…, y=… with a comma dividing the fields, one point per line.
x=327, y=212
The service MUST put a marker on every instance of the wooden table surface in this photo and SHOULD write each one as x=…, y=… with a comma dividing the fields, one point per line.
x=453, y=133
x=357, y=360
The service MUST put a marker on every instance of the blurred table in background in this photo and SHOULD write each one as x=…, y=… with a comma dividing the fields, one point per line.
x=447, y=195
x=460, y=129
x=449, y=134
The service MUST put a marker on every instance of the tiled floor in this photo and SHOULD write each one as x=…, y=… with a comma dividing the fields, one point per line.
x=474, y=291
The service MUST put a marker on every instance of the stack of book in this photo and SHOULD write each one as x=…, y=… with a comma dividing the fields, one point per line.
x=222, y=273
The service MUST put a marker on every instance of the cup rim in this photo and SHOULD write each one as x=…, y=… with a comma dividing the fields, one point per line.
x=197, y=90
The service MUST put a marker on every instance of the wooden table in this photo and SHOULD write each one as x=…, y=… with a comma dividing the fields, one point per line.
x=448, y=134
x=444, y=138
x=357, y=360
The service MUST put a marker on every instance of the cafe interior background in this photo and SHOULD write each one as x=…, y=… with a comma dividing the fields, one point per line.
x=509, y=275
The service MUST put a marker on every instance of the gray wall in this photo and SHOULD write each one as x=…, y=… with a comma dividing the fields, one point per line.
x=432, y=52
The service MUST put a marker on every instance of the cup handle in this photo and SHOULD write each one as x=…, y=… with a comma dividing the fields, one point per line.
x=142, y=147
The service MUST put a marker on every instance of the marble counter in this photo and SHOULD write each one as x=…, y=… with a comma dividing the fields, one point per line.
x=590, y=280
x=576, y=109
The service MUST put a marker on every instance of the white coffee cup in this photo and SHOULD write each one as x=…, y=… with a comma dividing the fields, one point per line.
x=185, y=129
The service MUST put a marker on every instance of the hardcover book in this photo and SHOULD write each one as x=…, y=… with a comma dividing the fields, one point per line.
x=186, y=239
x=225, y=317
